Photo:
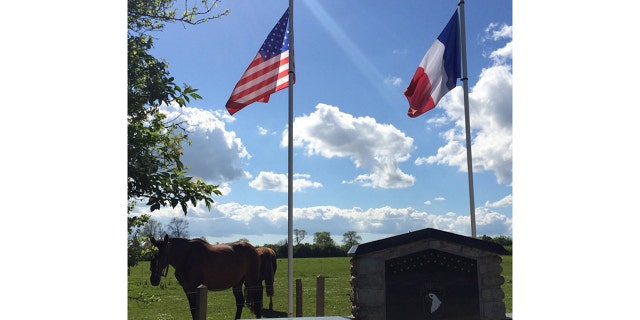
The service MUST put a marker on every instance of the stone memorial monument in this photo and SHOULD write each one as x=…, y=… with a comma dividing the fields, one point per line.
x=427, y=274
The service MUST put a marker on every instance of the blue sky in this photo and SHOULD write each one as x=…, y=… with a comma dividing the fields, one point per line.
x=360, y=163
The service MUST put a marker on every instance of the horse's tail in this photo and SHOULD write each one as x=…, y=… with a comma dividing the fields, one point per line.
x=253, y=297
x=267, y=266
x=253, y=285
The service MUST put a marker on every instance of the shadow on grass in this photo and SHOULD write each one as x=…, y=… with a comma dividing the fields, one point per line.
x=266, y=313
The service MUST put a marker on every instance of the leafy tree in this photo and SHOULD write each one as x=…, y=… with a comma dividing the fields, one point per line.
x=323, y=239
x=350, y=239
x=299, y=235
x=283, y=248
x=155, y=173
x=302, y=250
x=178, y=228
x=136, y=249
x=502, y=240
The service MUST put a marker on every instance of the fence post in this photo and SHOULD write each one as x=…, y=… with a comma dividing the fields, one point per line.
x=320, y=296
x=298, y=297
x=202, y=302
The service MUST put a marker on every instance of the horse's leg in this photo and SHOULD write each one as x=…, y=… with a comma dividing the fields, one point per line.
x=237, y=293
x=254, y=293
x=269, y=289
x=192, y=297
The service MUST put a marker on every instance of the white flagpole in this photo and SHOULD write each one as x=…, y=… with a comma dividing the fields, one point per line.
x=290, y=169
x=465, y=86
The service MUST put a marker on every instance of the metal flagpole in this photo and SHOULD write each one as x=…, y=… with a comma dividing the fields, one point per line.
x=465, y=86
x=290, y=169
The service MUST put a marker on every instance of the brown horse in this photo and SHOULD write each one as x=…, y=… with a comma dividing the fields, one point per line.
x=268, y=266
x=219, y=267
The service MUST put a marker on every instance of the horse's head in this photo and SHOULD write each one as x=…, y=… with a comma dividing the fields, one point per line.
x=160, y=262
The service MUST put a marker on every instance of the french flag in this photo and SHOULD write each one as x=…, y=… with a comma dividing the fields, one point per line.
x=438, y=71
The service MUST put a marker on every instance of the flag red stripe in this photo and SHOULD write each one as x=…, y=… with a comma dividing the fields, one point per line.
x=266, y=86
x=256, y=88
x=260, y=79
x=259, y=68
x=419, y=94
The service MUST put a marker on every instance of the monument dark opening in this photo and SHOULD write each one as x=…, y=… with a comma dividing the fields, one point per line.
x=432, y=284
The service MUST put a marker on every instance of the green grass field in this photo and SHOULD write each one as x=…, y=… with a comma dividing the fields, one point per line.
x=168, y=301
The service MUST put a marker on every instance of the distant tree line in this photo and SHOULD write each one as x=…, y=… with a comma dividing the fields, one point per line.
x=323, y=244
x=504, y=241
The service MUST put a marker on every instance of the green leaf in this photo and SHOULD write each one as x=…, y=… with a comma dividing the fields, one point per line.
x=184, y=208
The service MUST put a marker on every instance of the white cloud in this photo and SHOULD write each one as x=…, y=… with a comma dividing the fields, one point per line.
x=278, y=182
x=420, y=161
x=497, y=31
x=437, y=121
x=394, y=81
x=224, y=188
x=262, y=131
x=223, y=115
x=504, y=202
x=500, y=56
x=372, y=146
x=225, y=219
x=492, y=223
x=215, y=154
x=490, y=105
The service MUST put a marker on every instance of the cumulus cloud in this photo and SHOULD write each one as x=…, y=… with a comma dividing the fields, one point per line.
x=224, y=188
x=376, y=147
x=492, y=223
x=224, y=115
x=278, y=182
x=490, y=102
x=503, y=54
x=262, y=131
x=215, y=154
x=504, y=202
x=249, y=220
x=496, y=31
x=393, y=81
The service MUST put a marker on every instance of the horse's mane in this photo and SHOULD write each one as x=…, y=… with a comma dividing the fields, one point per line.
x=180, y=239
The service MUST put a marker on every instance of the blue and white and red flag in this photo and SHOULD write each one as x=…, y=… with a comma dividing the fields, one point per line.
x=267, y=73
x=438, y=71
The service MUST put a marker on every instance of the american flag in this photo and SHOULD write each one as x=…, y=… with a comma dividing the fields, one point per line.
x=267, y=73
